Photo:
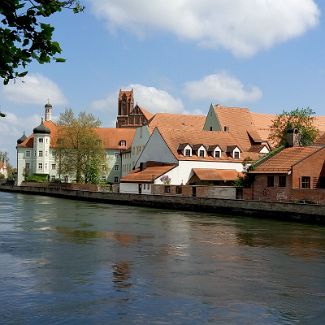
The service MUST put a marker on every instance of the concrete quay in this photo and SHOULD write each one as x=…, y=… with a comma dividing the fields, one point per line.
x=309, y=213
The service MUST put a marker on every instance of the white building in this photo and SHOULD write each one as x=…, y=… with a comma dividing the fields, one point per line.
x=177, y=155
x=36, y=153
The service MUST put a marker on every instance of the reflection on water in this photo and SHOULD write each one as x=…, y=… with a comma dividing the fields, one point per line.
x=76, y=262
x=83, y=236
x=121, y=275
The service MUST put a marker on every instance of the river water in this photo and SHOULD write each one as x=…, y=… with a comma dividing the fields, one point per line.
x=72, y=262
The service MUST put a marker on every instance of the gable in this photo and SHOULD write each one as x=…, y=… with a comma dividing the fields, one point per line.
x=212, y=122
x=156, y=149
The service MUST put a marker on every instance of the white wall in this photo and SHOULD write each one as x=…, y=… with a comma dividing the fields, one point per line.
x=140, y=139
x=129, y=188
x=183, y=172
x=156, y=150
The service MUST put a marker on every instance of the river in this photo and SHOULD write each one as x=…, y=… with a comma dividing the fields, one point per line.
x=72, y=262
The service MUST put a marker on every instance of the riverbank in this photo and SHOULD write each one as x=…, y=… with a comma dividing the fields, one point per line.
x=310, y=213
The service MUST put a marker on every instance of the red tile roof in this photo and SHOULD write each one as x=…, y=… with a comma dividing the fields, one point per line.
x=285, y=159
x=148, y=175
x=174, y=121
x=110, y=137
x=146, y=113
x=205, y=174
x=175, y=137
x=241, y=123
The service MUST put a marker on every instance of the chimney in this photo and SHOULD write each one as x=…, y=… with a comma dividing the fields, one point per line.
x=292, y=137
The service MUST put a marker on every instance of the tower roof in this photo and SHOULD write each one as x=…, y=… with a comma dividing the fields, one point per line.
x=42, y=129
x=21, y=139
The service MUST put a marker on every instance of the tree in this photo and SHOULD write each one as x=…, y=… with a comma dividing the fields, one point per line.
x=4, y=157
x=79, y=149
x=24, y=35
x=299, y=118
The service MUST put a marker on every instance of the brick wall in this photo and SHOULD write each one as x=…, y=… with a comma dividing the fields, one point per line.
x=308, y=195
x=261, y=192
x=313, y=166
x=277, y=210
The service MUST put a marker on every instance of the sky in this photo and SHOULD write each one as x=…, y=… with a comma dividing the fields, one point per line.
x=179, y=56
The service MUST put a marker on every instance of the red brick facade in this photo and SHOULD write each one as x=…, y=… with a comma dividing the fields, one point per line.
x=304, y=182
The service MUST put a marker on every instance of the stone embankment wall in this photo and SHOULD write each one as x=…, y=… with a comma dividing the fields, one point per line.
x=275, y=210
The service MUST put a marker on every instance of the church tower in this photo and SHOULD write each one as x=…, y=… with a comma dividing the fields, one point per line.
x=125, y=107
x=48, y=112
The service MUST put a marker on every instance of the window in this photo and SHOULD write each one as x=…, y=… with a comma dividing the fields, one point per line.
x=270, y=181
x=282, y=181
x=178, y=189
x=122, y=143
x=53, y=166
x=40, y=165
x=217, y=154
x=167, y=189
x=40, y=153
x=201, y=153
x=27, y=154
x=236, y=155
x=53, y=178
x=53, y=154
x=115, y=179
x=188, y=152
x=116, y=167
x=45, y=166
x=40, y=140
x=27, y=166
x=210, y=128
x=305, y=182
x=117, y=155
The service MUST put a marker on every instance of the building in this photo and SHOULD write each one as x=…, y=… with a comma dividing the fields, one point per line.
x=251, y=129
x=128, y=115
x=36, y=154
x=293, y=174
x=143, y=133
x=183, y=156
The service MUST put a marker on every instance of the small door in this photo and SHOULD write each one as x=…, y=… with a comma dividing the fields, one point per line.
x=193, y=191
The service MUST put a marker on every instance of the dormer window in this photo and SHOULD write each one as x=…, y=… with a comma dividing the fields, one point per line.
x=122, y=143
x=217, y=153
x=233, y=151
x=201, y=153
x=40, y=140
x=188, y=152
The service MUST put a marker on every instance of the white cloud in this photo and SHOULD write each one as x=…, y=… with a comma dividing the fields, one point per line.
x=108, y=104
x=156, y=100
x=243, y=27
x=34, y=89
x=221, y=87
x=151, y=98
